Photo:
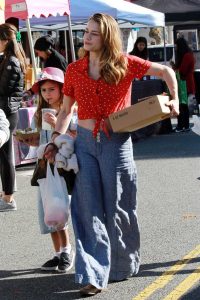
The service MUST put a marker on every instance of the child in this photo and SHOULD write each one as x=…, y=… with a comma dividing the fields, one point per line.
x=49, y=88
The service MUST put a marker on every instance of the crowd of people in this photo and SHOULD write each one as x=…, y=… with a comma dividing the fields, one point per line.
x=104, y=197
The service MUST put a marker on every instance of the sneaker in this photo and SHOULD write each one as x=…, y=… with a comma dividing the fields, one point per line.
x=187, y=129
x=66, y=261
x=7, y=206
x=178, y=130
x=51, y=265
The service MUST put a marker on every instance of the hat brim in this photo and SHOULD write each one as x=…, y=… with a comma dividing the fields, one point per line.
x=36, y=86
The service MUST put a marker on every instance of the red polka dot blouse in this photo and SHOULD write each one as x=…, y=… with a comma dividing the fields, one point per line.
x=97, y=99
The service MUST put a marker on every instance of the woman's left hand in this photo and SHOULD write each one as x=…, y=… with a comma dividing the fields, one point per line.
x=50, y=152
x=174, y=107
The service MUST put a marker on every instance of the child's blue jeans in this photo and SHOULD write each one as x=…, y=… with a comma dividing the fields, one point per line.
x=104, y=209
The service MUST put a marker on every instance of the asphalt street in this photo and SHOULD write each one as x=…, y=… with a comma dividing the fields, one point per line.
x=169, y=216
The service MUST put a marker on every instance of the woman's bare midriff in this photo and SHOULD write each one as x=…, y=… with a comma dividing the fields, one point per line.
x=90, y=124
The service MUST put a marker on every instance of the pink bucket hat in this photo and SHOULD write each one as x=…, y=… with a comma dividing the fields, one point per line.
x=49, y=73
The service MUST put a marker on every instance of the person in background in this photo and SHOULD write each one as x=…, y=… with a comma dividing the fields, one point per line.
x=13, y=67
x=44, y=48
x=184, y=64
x=140, y=48
x=104, y=197
x=4, y=128
x=49, y=87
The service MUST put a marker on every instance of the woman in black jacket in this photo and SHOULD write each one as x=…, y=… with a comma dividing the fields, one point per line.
x=12, y=69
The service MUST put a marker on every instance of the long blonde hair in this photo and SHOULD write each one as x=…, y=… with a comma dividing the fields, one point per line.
x=8, y=33
x=113, y=65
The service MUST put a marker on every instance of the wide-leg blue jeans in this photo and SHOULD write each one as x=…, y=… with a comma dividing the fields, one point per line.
x=104, y=209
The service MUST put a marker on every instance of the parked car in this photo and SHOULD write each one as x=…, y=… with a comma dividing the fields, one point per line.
x=157, y=53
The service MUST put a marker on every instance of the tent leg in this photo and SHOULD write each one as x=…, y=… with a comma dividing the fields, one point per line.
x=71, y=39
x=31, y=46
x=66, y=46
x=165, y=50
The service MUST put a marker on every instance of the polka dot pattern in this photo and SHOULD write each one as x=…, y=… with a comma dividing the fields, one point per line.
x=97, y=99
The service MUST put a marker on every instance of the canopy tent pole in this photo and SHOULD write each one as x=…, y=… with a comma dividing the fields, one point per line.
x=66, y=46
x=165, y=50
x=71, y=39
x=31, y=47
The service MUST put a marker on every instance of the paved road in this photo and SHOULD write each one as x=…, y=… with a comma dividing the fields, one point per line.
x=169, y=215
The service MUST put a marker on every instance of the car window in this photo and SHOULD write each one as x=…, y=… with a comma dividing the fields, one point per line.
x=156, y=54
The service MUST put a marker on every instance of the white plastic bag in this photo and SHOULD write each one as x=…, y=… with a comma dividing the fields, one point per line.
x=196, y=127
x=55, y=199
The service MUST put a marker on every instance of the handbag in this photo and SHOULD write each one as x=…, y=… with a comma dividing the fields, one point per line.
x=182, y=89
x=40, y=172
x=55, y=198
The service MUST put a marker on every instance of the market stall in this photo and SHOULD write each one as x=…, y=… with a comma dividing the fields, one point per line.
x=24, y=154
x=24, y=10
x=45, y=13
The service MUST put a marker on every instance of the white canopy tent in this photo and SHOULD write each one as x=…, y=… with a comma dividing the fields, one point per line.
x=121, y=10
x=131, y=15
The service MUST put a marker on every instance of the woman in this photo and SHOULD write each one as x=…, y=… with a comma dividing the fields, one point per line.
x=104, y=197
x=12, y=69
x=140, y=48
x=185, y=66
x=44, y=48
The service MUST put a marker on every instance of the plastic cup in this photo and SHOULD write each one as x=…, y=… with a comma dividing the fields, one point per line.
x=45, y=125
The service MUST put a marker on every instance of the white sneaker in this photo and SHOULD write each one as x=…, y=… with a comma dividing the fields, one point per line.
x=7, y=206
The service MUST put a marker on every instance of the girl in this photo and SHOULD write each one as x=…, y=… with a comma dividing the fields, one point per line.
x=49, y=87
x=104, y=197
x=140, y=48
x=12, y=69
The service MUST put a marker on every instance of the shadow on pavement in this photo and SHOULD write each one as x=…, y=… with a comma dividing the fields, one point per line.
x=147, y=270
x=194, y=294
x=174, y=145
x=16, y=285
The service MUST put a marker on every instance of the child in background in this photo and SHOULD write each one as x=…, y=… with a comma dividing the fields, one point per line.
x=49, y=88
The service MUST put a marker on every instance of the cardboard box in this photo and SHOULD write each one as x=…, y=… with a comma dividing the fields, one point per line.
x=147, y=111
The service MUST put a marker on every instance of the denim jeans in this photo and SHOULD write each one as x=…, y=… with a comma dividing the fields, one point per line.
x=104, y=209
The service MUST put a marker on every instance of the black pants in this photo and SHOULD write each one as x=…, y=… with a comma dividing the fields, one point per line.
x=7, y=167
x=183, y=117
